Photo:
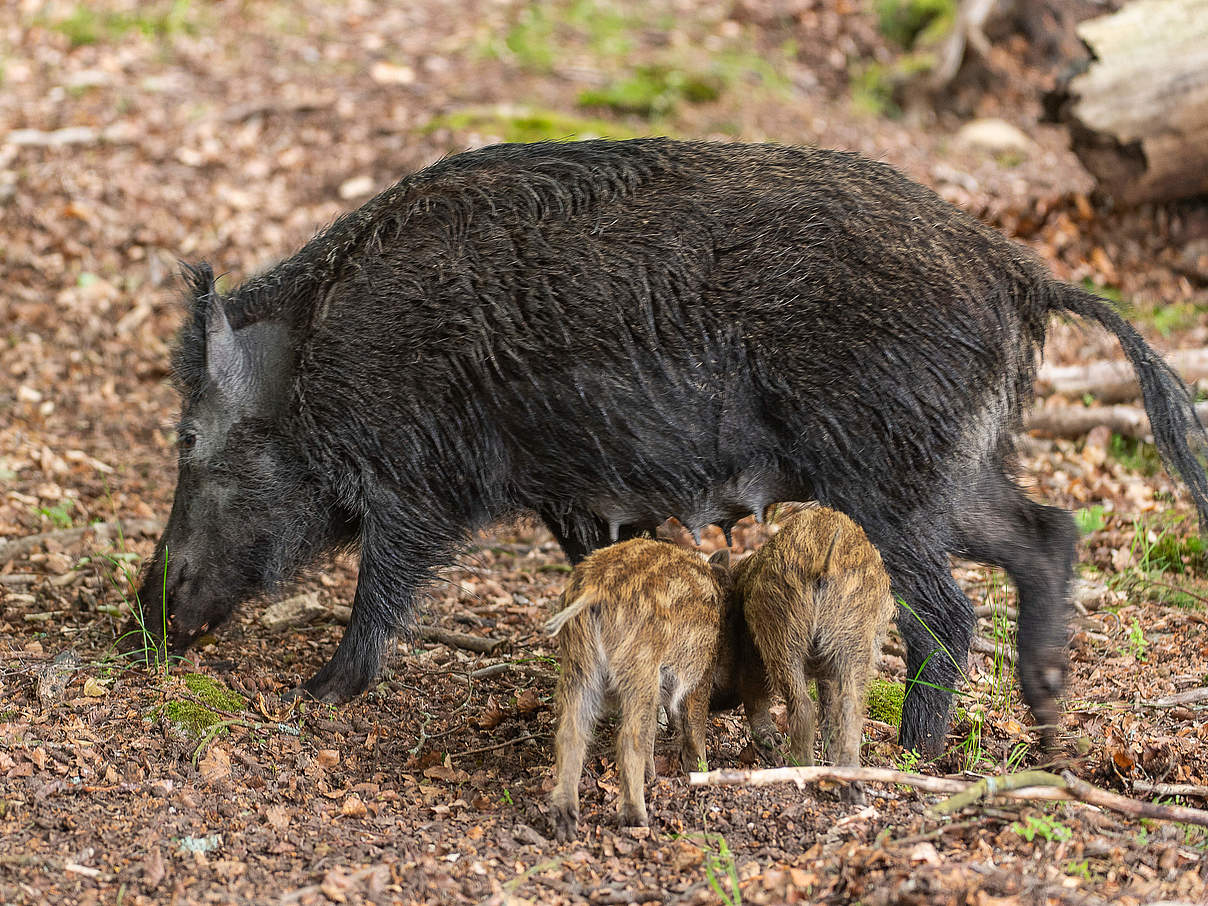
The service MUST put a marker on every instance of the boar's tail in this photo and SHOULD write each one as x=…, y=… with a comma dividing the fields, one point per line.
x=555, y=623
x=1177, y=431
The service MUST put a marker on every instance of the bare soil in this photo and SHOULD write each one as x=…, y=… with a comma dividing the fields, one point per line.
x=133, y=135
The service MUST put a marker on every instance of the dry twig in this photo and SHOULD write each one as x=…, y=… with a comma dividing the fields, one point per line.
x=19, y=547
x=458, y=639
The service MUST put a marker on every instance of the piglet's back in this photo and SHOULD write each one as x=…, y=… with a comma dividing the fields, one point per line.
x=641, y=582
x=821, y=561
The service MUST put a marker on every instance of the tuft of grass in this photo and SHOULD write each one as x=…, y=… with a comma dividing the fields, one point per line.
x=885, y=701
x=1003, y=672
x=86, y=25
x=526, y=125
x=1135, y=455
x=914, y=22
x=654, y=90
x=719, y=864
x=1137, y=642
x=1090, y=519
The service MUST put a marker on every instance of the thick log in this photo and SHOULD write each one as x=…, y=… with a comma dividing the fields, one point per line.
x=1115, y=381
x=1138, y=115
x=1071, y=422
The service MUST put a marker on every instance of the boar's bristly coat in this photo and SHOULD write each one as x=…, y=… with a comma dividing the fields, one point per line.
x=608, y=333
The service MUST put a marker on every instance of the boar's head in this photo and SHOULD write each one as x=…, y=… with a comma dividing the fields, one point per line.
x=241, y=518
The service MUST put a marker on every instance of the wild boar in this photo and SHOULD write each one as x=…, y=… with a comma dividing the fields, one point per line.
x=608, y=333
x=816, y=600
x=640, y=625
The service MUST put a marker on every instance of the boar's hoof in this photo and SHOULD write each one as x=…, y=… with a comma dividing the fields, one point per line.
x=329, y=694
x=564, y=822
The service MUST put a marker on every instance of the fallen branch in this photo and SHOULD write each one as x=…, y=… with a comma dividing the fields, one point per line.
x=985, y=646
x=458, y=639
x=1170, y=789
x=1115, y=381
x=1092, y=795
x=19, y=547
x=1071, y=422
x=989, y=611
x=1027, y=786
x=1190, y=697
x=993, y=786
x=498, y=745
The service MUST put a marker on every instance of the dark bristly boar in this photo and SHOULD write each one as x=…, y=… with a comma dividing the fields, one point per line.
x=607, y=333
x=640, y=625
x=816, y=601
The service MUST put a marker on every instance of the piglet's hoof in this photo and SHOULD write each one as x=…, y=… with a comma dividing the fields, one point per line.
x=564, y=823
x=633, y=817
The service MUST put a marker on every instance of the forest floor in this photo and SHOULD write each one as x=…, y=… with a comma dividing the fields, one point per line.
x=136, y=134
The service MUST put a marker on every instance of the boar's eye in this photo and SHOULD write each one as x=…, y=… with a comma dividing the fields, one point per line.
x=187, y=441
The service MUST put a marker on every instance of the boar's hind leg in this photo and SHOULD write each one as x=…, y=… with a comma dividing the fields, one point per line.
x=842, y=698
x=381, y=606
x=639, y=720
x=1036, y=545
x=580, y=695
x=937, y=625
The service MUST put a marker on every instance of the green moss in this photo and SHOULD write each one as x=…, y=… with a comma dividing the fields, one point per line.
x=543, y=30
x=654, y=90
x=915, y=22
x=885, y=701
x=529, y=125
x=86, y=25
x=195, y=718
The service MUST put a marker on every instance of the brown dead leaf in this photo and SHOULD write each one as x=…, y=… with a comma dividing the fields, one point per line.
x=154, y=869
x=353, y=807
x=327, y=758
x=215, y=765
x=277, y=817
x=336, y=886
x=527, y=701
x=491, y=715
x=94, y=688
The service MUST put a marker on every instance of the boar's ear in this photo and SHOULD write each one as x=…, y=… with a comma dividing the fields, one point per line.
x=721, y=558
x=226, y=362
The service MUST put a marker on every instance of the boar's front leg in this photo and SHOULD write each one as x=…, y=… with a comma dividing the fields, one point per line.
x=381, y=607
x=937, y=625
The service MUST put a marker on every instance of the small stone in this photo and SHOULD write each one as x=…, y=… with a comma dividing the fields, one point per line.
x=994, y=135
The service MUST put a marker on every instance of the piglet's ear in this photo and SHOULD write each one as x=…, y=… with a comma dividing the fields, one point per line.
x=721, y=558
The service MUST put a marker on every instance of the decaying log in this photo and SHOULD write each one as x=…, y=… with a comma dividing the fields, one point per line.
x=1071, y=422
x=1138, y=115
x=1115, y=381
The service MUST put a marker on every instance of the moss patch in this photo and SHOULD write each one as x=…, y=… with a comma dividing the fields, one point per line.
x=654, y=90
x=525, y=125
x=885, y=701
x=195, y=718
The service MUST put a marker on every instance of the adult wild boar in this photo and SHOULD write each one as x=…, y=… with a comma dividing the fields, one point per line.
x=608, y=333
